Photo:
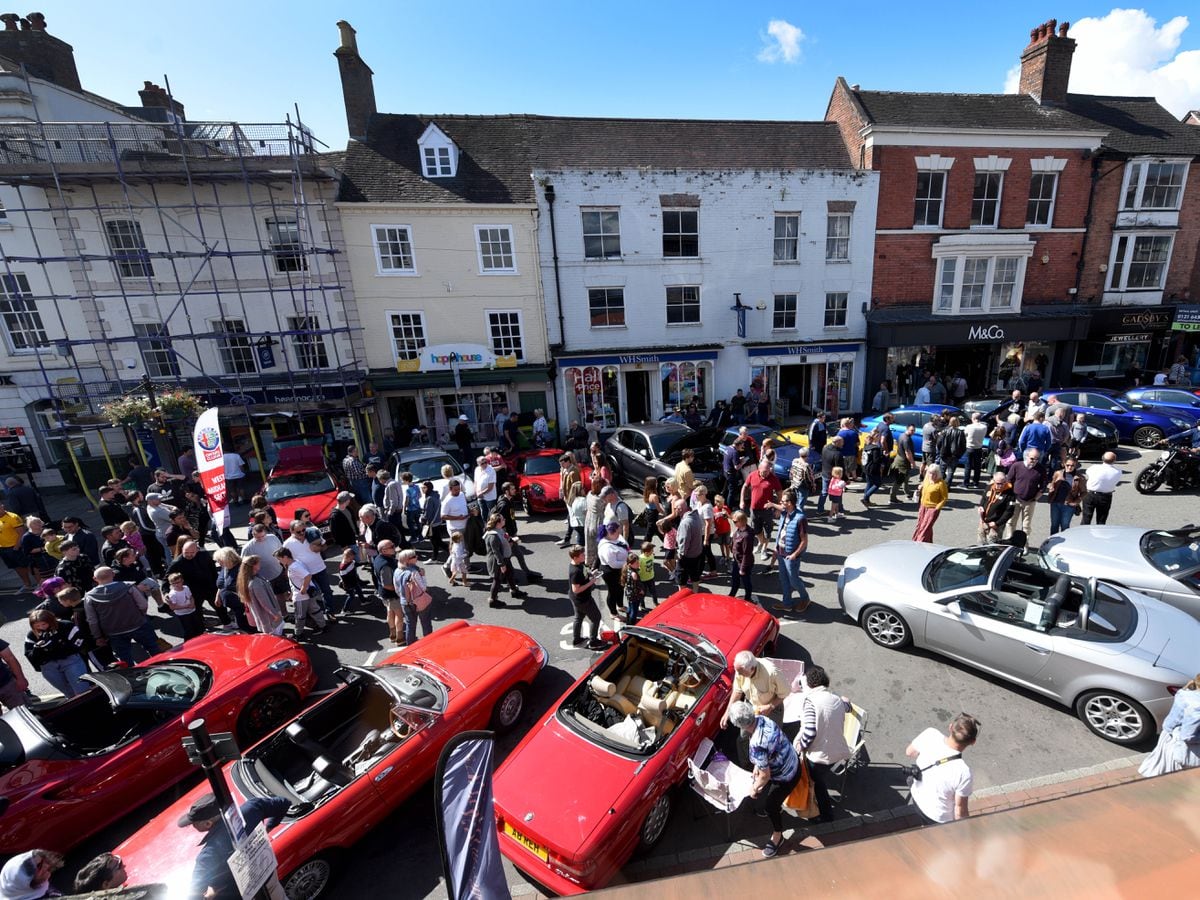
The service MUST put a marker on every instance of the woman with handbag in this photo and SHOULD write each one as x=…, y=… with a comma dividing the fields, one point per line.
x=415, y=599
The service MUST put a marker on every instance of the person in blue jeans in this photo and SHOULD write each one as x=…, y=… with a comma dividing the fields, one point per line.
x=790, y=544
x=831, y=455
x=116, y=615
x=1066, y=495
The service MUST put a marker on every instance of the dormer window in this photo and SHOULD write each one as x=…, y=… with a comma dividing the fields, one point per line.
x=439, y=154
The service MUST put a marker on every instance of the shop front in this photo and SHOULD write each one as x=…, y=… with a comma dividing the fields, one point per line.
x=805, y=378
x=1124, y=343
x=635, y=387
x=446, y=381
x=993, y=354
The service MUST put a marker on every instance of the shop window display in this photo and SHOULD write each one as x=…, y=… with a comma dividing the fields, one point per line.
x=684, y=382
x=593, y=391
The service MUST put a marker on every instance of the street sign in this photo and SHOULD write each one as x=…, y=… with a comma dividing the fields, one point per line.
x=253, y=862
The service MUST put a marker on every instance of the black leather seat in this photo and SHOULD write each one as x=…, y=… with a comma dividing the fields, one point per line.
x=333, y=772
x=298, y=735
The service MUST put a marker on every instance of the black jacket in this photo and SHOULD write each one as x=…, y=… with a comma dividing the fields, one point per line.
x=952, y=444
x=199, y=573
x=64, y=643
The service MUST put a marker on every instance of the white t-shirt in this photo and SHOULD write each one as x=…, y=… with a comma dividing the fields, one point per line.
x=296, y=574
x=235, y=466
x=485, y=483
x=1160, y=378
x=1103, y=478
x=455, y=508
x=181, y=601
x=313, y=563
x=934, y=794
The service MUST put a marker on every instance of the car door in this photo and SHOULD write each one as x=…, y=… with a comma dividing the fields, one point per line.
x=637, y=449
x=988, y=629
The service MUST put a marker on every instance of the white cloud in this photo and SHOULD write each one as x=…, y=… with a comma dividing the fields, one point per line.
x=782, y=42
x=1128, y=53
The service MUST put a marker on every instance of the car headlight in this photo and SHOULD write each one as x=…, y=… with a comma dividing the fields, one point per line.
x=1180, y=423
x=1095, y=432
x=538, y=489
x=282, y=665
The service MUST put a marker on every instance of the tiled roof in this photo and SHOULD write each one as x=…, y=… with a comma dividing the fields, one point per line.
x=1133, y=125
x=499, y=153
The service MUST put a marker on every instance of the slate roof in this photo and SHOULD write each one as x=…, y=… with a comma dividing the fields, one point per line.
x=1132, y=125
x=499, y=153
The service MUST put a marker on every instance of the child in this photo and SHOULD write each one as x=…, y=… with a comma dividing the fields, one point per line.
x=631, y=582
x=458, y=559
x=179, y=598
x=646, y=571
x=133, y=537
x=722, y=524
x=837, y=487
x=349, y=580
x=53, y=541
x=741, y=559
x=412, y=507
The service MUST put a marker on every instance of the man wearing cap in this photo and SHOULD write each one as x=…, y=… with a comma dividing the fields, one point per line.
x=160, y=516
x=306, y=549
x=211, y=877
x=464, y=438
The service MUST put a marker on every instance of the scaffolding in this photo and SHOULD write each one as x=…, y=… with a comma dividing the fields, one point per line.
x=180, y=254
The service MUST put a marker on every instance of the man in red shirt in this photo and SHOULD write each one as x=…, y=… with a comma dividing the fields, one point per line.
x=760, y=494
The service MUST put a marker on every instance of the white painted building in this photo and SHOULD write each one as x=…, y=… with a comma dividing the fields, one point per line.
x=661, y=228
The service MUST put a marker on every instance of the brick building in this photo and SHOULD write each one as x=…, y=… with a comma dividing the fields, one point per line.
x=999, y=219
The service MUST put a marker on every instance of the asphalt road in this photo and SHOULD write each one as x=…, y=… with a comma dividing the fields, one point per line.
x=1023, y=736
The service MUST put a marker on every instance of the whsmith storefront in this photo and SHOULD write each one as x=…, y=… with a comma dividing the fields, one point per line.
x=991, y=352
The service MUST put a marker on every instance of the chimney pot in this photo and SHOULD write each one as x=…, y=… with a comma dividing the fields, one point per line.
x=1051, y=25
x=346, y=32
x=1063, y=29
x=25, y=25
x=10, y=21
x=1046, y=63
x=37, y=21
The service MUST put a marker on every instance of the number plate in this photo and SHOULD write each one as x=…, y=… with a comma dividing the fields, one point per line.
x=536, y=849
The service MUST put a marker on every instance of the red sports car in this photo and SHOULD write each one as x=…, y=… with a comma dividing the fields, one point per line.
x=594, y=779
x=70, y=768
x=301, y=478
x=538, y=473
x=348, y=761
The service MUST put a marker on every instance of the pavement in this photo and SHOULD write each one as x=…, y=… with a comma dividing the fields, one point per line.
x=1029, y=747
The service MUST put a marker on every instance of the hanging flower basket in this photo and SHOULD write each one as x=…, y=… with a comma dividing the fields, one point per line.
x=179, y=404
x=129, y=410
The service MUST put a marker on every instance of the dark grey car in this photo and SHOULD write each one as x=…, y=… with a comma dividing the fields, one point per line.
x=654, y=448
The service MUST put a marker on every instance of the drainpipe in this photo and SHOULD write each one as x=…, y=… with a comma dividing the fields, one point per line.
x=1087, y=224
x=562, y=333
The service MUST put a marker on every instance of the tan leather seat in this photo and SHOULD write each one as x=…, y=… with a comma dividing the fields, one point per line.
x=606, y=692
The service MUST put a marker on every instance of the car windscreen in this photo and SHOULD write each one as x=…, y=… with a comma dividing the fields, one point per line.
x=961, y=568
x=665, y=440
x=1174, y=553
x=301, y=484
x=430, y=468
x=168, y=684
x=541, y=465
x=413, y=687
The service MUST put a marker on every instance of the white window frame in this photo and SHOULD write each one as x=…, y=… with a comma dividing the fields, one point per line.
x=782, y=300
x=835, y=242
x=685, y=301
x=391, y=327
x=607, y=292
x=602, y=235
x=953, y=251
x=157, y=356
x=23, y=310
x=1136, y=171
x=376, y=244
x=845, y=310
x=434, y=140
x=512, y=250
x=941, y=200
x=308, y=350
x=288, y=256
x=1030, y=199
x=1118, y=269
x=487, y=320
x=134, y=253
x=226, y=347
x=933, y=164
x=1047, y=165
x=680, y=234
x=792, y=241
x=985, y=199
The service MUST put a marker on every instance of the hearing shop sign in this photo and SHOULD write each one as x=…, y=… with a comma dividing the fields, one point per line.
x=985, y=333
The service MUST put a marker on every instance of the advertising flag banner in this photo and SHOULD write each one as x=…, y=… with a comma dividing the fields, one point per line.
x=466, y=821
x=210, y=466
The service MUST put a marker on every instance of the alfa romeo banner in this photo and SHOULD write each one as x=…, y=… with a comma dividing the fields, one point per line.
x=465, y=820
x=210, y=466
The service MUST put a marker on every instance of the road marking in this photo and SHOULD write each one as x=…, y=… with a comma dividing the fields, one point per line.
x=370, y=661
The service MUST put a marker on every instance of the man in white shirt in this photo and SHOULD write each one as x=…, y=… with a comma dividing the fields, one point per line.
x=263, y=544
x=454, y=508
x=485, y=486
x=1102, y=480
x=307, y=554
x=974, y=433
x=1036, y=405
x=235, y=476
x=941, y=793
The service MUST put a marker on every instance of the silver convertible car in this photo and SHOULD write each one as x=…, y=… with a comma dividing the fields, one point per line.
x=1113, y=655
x=1164, y=565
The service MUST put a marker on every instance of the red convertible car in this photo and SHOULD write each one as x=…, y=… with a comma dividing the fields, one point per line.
x=70, y=768
x=593, y=781
x=538, y=473
x=349, y=760
x=302, y=478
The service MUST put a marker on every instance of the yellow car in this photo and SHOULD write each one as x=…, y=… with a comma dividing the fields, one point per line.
x=798, y=435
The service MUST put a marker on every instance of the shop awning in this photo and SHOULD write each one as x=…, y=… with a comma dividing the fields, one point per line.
x=383, y=380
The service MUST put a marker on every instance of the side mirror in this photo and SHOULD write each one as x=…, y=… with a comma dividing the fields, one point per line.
x=951, y=604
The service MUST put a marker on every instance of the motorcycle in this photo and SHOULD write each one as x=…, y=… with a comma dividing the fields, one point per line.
x=1178, y=468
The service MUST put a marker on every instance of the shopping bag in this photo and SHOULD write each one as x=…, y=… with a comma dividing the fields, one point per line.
x=802, y=801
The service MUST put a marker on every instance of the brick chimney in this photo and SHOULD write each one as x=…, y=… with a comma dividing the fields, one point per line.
x=358, y=87
x=25, y=40
x=155, y=97
x=1046, y=63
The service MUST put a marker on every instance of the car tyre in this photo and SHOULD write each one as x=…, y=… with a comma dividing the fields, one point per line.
x=886, y=627
x=1148, y=436
x=264, y=713
x=1150, y=479
x=507, y=711
x=654, y=826
x=1115, y=717
x=311, y=878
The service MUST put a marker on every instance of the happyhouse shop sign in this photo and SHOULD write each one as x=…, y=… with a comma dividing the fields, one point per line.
x=447, y=357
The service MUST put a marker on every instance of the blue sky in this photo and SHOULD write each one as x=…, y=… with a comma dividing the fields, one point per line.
x=252, y=61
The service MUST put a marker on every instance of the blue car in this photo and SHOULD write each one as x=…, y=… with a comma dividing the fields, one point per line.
x=917, y=414
x=785, y=451
x=1137, y=423
x=1186, y=399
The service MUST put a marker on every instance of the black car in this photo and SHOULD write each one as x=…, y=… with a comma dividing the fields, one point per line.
x=654, y=448
x=1102, y=435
